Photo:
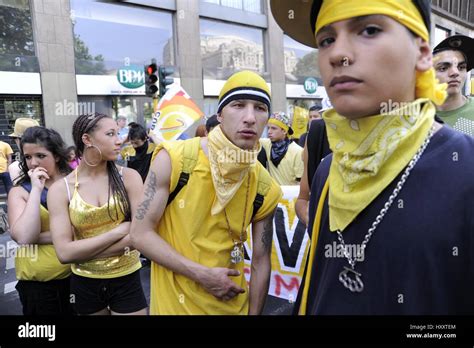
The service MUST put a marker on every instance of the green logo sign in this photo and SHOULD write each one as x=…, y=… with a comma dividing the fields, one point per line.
x=131, y=76
x=310, y=85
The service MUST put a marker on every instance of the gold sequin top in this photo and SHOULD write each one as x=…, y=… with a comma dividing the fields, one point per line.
x=90, y=221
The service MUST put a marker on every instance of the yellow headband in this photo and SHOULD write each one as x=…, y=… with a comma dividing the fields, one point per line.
x=279, y=124
x=404, y=12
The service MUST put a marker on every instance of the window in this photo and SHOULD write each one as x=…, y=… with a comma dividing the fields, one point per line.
x=254, y=6
x=300, y=61
x=108, y=36
x=16, y=106
x=210, y=107
x=441, y=34
x=227, y=48
x=17, y=50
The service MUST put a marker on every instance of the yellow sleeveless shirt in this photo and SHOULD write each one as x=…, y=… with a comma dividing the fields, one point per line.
x=90, y=221
x=40, y=262
x=188, y=226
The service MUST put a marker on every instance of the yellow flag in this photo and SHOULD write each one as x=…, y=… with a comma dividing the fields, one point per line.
x=300, y=122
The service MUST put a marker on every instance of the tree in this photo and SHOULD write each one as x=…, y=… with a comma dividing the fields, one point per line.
x=16, y=33
x=86, y=64
x=16, y=39
x=308, y=65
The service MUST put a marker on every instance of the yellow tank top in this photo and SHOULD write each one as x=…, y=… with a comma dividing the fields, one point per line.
x=90, y=221
x=40, y=262
x=188, y=226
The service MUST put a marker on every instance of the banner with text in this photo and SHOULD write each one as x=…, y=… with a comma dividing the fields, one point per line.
x=289, y=251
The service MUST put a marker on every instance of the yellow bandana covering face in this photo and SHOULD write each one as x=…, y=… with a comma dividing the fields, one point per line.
x=404, y=12
x=369, y=153
x=229, y=166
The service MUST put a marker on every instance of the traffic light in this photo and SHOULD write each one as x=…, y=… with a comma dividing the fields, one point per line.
x=163, y=73
x=151, y=80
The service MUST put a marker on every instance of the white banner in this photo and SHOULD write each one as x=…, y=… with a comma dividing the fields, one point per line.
x=289, y=251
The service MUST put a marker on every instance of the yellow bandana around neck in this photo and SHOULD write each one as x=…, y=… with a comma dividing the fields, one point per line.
x=369, y=153
x=229, y=166
x=403, y=11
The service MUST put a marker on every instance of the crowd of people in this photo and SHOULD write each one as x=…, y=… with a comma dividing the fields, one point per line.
x=387, y=164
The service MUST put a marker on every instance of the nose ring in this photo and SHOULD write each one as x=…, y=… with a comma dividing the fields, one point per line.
x=345, y=61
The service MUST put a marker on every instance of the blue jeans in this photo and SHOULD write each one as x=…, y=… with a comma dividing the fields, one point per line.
x=7, y=181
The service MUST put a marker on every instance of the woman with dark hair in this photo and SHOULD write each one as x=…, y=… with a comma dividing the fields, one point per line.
x=140, y=155
x=91, y=211
x=43, y=282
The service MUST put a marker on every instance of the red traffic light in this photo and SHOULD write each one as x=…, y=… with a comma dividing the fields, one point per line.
x=151, y=69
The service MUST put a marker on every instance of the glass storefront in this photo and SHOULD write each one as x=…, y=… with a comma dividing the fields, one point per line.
x=210, y=106
x=227, y=48
x=108, y=36
x=16, y=106
x=134, y=108
x=17, y=49
x=301, y=61
x=254, y=6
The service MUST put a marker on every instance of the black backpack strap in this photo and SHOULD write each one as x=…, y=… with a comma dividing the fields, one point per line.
x=183, y=180
x=190, y=158
x=257, y=204
x=263, y=186
x=262, y=157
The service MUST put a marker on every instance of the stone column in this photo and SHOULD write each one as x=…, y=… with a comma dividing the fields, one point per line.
x=276, y=62
x=52, y=30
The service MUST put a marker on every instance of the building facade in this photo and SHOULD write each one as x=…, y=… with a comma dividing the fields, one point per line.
x=61, y=58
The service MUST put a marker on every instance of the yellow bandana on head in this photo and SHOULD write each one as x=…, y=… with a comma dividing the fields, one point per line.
x=404, y=12
x=229, y=166
x=279, y=124
x=369, y=153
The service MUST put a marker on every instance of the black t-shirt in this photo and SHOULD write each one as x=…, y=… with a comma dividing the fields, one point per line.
x=420, y=259
x=318, y=147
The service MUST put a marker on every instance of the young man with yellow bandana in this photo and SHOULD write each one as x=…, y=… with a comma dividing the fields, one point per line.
x=391, y=210
x=196, y=241
x=284, y=160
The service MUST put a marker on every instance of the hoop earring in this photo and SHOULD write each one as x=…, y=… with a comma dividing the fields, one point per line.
x=84, y=157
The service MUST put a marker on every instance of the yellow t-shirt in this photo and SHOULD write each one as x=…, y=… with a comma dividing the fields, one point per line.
x=5, y=150
x=40, y=262
x=291, y=166
x=188, y=226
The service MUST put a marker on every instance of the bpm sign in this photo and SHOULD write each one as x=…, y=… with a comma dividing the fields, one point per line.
x=131, y=76
x=310, y=85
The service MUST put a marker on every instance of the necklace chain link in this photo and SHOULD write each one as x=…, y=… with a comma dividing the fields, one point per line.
x=353, y=259
x=237, y=253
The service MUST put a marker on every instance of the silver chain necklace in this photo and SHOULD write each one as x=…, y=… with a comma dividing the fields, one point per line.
x=356, y=284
